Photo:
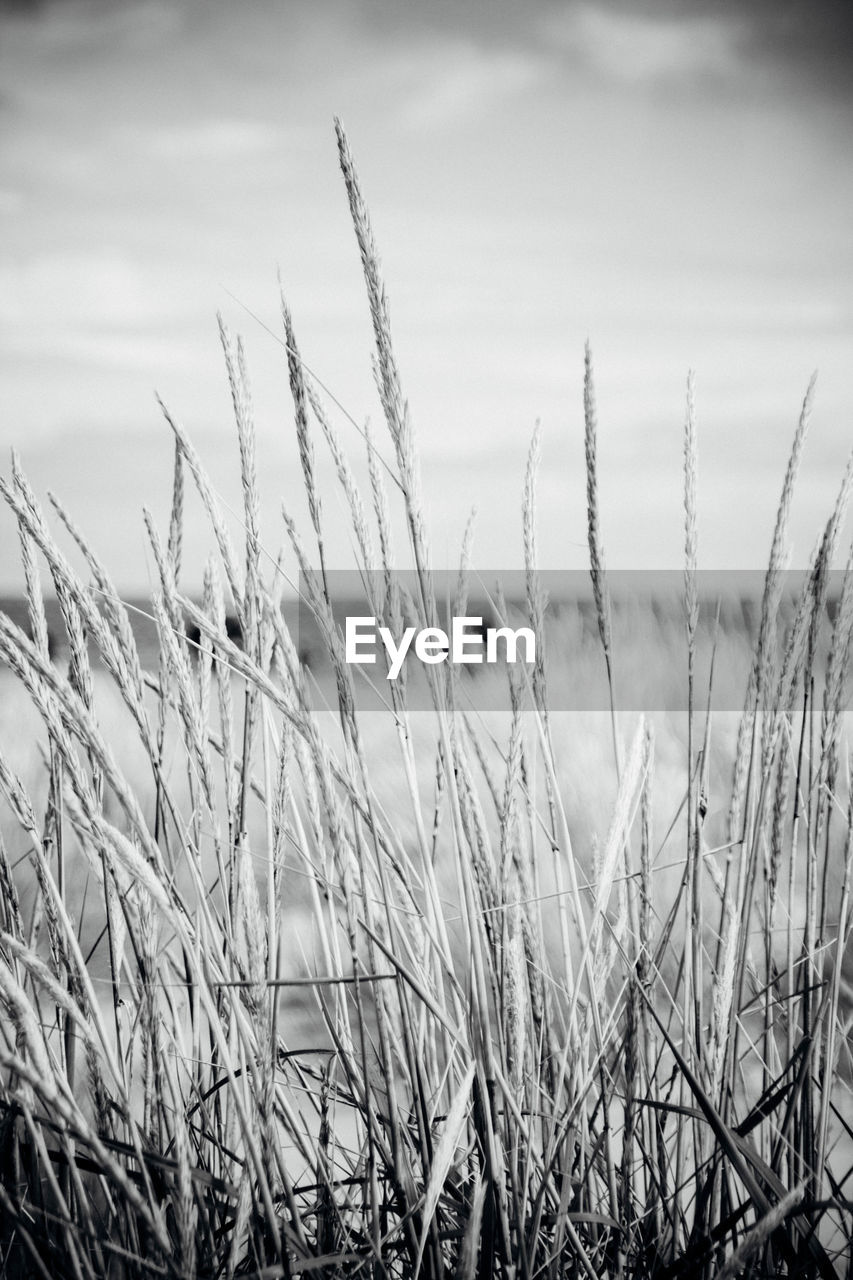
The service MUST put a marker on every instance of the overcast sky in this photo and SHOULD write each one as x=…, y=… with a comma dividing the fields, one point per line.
x=674, y=181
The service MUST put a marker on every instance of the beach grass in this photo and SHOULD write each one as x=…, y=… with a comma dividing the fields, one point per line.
x=534, y=1055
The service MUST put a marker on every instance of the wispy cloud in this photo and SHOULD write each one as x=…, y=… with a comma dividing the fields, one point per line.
x=11, y=199
x=640, y=47
x=100, y=287
x=105, y=350
x=453, y=81
x=204, y=140
x=82, y=23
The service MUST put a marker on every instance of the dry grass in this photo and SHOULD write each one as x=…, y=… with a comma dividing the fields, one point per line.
x=529, y=1062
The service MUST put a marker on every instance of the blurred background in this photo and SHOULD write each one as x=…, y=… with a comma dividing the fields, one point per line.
x=672, y=180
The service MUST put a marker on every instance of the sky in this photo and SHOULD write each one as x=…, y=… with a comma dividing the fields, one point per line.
x=672, y=181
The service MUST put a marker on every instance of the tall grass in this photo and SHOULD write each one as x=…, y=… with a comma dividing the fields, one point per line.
x=650, y=1088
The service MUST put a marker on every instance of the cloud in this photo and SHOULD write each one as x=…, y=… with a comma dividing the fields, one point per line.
x=809, y=41
x=212, y=140
x=79, y=23
x=11, y=200
x=105, y=349
x=454, y=80
x=641, y=47
x=640, y=172
x=100, y=287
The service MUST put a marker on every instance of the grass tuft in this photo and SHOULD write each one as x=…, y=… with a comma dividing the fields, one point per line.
x=301, y=995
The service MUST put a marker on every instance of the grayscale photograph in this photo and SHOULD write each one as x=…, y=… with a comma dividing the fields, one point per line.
x=426, y=630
